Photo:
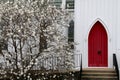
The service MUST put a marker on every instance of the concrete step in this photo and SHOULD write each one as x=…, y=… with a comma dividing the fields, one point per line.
x=99, y=77
x=99, y=74
x=99, y=69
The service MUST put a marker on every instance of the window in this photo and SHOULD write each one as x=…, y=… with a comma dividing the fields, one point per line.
x=71, y=33
x=69, y=4
x=5, y=0
x=58, y=3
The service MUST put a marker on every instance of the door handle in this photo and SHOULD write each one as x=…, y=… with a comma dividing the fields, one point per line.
x=99, y=52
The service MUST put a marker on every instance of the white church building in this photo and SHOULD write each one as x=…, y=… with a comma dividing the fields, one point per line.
x=97, y=30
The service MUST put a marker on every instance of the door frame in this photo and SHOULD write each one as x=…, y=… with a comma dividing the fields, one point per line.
x=85, y=51
x=98, y=45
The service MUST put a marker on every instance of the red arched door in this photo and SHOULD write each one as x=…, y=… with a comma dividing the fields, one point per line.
x=98, y=46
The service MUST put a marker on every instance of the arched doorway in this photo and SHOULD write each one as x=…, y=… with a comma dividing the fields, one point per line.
x=98, y=46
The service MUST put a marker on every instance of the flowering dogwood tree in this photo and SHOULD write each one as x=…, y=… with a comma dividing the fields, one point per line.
x=33, y=31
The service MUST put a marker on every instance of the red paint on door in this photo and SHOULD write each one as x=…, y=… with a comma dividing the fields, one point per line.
x=98, y=46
